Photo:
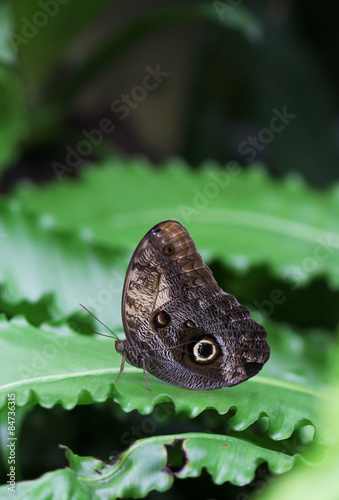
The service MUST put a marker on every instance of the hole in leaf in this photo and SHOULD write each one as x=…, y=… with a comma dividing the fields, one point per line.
x=176, y=456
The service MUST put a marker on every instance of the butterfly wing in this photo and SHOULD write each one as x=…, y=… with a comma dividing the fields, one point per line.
x=188, y=331
x=165, y=261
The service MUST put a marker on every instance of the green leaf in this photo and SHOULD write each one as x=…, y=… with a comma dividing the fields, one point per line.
x=242, y=218
x=320, y=482
x=59, y=366
x=53, y=365
x=144, y=467
x=57, y=484
x=46, y=273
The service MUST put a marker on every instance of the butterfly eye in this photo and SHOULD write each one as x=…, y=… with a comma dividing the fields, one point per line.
x=162, y=319
x=169, y=249
x=186, y=287
x=190, y=324
x=205, y=351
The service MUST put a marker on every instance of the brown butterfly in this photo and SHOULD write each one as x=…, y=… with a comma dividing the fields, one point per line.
x=180, y=325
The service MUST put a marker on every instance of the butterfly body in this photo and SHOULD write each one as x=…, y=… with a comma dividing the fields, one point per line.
x=180, y=325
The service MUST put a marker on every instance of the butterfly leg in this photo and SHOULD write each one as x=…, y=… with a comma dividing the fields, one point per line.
x=121, y=369
x=144, y=368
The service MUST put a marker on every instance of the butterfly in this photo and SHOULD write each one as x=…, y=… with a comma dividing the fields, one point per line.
x=180, y=325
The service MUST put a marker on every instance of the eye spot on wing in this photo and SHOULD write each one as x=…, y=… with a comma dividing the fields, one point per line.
x=205, y=350
x=169, y=250
x=160, y=320
x=190, y=324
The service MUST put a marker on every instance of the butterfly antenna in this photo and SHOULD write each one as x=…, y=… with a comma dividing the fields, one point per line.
x=102, y=334
x=103, y=324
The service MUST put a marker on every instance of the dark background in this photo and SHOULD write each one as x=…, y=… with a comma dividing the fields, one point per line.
x=222, y=88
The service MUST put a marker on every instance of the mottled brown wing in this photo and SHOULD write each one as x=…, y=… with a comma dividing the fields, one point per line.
x=179, y=324
x=163, y=266
x=205, y=340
